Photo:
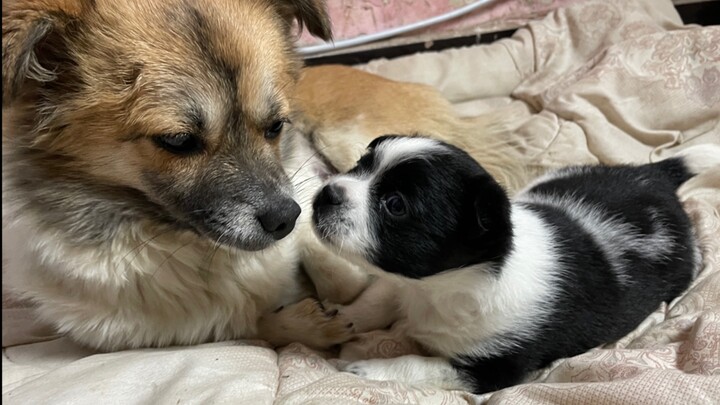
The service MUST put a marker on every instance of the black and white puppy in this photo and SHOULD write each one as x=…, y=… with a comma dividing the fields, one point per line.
x=497, y=288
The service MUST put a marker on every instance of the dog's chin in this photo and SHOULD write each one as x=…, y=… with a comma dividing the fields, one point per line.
x=333, y=239
x=252, y=245
x=324, y=230
x=232, y=238
x=327, y=237
x=330, y=234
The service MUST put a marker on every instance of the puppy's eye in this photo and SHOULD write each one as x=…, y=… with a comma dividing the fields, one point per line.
x=274, y=130
x=179, y=144
x=394, y=204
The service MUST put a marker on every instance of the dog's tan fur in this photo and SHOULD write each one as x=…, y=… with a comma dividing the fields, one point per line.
x=343, y=109
x=119, y=99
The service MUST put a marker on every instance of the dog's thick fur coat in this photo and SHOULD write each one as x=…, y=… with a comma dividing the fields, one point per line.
x=151, y=178
x=140, y=141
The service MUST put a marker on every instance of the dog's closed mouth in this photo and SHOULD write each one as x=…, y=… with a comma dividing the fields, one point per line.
x=247, y=231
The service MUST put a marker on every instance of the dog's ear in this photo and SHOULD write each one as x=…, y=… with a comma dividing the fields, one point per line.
x=33, y=45
x=308, y=13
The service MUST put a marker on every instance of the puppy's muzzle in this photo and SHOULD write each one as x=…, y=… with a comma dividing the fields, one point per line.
x=330, y=195
x=279, y=220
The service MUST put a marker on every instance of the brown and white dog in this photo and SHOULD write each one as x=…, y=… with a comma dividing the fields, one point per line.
x=152, y=192
x=143, y=180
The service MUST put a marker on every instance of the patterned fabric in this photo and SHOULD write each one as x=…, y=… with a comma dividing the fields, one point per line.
x=608, y=81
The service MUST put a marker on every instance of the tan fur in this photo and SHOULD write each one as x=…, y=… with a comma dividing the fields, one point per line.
x=343, y=109
x=127, y=99
x=282, y=328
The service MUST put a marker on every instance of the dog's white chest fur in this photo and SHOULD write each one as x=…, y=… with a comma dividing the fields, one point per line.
x=150, y=286
x=153, y=285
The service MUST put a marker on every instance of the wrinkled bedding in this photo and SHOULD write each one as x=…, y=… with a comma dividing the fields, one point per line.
x=609, y=81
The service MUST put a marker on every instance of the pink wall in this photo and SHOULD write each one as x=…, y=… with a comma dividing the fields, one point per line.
x=351, y=18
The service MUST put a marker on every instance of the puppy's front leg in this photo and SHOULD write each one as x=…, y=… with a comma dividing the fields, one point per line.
x=376, y=307
x=411, y=369
x=336, y=279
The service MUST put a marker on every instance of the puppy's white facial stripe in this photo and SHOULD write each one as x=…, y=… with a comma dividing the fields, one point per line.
x=354, y=188
x=613, y=236
x=356, y=234
x=392, y=152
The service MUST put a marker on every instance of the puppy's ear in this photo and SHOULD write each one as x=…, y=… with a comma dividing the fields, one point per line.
x=491, y=206
x=309, y=13
x=375, y=142
x=33, y=47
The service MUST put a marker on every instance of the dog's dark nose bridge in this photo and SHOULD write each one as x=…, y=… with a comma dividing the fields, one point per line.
x=331, y=195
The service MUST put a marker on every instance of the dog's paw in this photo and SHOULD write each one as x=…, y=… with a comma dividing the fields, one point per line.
x=331, y=326
x=308, y=322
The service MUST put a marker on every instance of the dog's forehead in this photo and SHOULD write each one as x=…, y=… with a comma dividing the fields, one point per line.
x=203, y=49
x=256, y=54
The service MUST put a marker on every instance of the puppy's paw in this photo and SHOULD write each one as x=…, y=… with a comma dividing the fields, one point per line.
x=307, y=322
x=376, y=369
x=409, y=369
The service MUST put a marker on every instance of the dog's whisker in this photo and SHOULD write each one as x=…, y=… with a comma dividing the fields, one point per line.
x=217, y=244
x=144, y=244
x=313, y=155
x=168, y=257
x=300, y=186
x=208, y=270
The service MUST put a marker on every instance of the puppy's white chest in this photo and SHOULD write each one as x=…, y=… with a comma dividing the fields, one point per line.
x=444, y=313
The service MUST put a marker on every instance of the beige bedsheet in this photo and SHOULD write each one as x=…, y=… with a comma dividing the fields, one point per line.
x=604, y=81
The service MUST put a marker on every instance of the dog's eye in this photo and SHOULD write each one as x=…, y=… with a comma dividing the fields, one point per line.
x=179, y=144
x=394, y=204
x=274, y=130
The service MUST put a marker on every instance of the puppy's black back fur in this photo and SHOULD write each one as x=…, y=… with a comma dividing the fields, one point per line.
x=593, y=306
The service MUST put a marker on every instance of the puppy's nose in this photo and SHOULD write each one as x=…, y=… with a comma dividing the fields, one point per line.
x=280, y=219
x=330, y=195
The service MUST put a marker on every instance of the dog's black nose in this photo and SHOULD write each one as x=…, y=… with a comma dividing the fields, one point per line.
x=280, y=219
x=330, y=195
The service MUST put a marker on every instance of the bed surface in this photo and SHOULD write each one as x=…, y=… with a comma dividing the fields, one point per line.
x=602, y=81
